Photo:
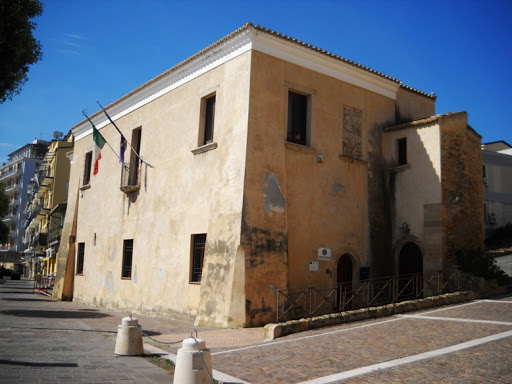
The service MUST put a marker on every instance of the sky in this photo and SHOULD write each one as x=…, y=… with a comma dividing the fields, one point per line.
x=100, y=50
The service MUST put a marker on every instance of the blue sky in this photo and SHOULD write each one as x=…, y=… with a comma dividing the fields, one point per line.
x=100, y=50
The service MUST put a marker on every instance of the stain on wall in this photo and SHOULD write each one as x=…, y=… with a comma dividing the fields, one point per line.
x=273, y=199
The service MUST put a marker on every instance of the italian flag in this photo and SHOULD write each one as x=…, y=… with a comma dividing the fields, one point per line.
x=99, y=142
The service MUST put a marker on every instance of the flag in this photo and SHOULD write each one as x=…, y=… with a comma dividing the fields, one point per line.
x=124, y=143
x=99, y=142
x=122, y=149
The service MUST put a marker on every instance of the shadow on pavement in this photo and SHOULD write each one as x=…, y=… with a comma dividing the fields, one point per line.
x=27, y=299
x=55, y=314
x=34, y=364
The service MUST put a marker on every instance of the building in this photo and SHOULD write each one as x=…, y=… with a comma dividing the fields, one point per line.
x=497, y=179
x=15, y=175
x=46, y=207
x=260, y=164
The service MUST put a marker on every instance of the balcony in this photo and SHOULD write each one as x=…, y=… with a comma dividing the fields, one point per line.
x=39, y=240
x=12, y=187
x=10, y=173
x=130, y=176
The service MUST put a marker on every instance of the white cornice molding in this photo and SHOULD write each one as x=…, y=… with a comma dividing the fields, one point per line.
x=318, y=62
x=218, y=55
x=236, y=45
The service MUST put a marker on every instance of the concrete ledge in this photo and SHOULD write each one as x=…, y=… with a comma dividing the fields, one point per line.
x=273, y=331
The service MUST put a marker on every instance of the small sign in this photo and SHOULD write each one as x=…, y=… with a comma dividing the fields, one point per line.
x=324, y=253
x=313, y=266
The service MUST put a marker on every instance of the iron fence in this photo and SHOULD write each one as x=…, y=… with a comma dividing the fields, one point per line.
x=299, y=303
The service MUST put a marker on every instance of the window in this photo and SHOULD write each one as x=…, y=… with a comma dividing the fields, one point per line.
x=87, y=168
x=135, y=157
x=207, y=123
x=198, y=244
x=80, y=259
x=298, y=118
x=127, y=259
x=402, y=151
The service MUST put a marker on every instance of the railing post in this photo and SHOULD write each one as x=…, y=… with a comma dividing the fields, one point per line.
x=277, y=310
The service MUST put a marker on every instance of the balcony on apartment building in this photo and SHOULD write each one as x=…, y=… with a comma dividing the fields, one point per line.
x=15, y=170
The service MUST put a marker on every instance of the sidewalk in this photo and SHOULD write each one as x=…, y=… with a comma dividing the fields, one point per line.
x=48, y=341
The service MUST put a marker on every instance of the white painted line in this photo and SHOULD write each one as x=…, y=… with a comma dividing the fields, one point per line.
x=457, y=319
x=406, y=360
x=497, y=301
x=452, y=307
x=270, y=344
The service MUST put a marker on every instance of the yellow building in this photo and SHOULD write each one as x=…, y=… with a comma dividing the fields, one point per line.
x=265, y=164
x=49, y=191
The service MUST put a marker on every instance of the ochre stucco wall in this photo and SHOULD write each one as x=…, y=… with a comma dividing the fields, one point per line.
x=181, y=194
x=297, y=202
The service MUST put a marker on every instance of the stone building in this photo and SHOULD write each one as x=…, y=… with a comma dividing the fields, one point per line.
x=497, y=179
x=263, y=163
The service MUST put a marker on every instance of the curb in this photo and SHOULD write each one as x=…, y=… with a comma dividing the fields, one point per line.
x=274, y=331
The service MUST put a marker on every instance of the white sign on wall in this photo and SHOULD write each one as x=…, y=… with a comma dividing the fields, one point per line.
x=313, y=266
x=324, y=253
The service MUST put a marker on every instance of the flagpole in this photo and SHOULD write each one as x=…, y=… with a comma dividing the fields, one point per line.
x=105, y=140
x=118, y=130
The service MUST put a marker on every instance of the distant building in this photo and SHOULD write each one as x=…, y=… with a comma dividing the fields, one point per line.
x=15, y=175
x=46, y=207
x=261, y=164
x=497, y=180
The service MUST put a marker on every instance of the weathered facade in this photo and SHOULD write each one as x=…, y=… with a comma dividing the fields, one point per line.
x=265, y=164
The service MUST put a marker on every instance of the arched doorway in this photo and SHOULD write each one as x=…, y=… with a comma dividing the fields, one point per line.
x=344, y=276
x=410, y=260
x=410, y=271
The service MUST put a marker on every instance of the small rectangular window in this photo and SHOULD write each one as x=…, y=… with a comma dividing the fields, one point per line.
x=127, y=259
x=87, y=168
x=402, y=151
x=198, y=245
x=80, y=259
x=207, y=120
x=297, y=128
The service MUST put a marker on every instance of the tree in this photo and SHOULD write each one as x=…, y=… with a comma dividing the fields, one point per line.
x=4, y=207
x=18, y=48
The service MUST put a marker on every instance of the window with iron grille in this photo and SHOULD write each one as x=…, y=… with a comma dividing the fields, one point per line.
x=127, y=259
x=80, y=259
x=198, y=245
x=87, y=168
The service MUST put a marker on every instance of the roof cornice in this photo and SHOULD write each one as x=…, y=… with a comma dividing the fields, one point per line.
x=248, y=37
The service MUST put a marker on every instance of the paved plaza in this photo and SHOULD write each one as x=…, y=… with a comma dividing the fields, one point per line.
x=43, y=341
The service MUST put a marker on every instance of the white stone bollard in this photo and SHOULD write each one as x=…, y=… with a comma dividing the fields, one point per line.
x=129, y=338
x=189, y=365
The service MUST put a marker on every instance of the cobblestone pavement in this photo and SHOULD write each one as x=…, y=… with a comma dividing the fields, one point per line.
x=60, y=342
x=464, y=343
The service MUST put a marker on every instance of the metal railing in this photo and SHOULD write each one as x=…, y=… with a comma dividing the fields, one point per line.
x=299, y=303
x=44, y=283
x=130, y=176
